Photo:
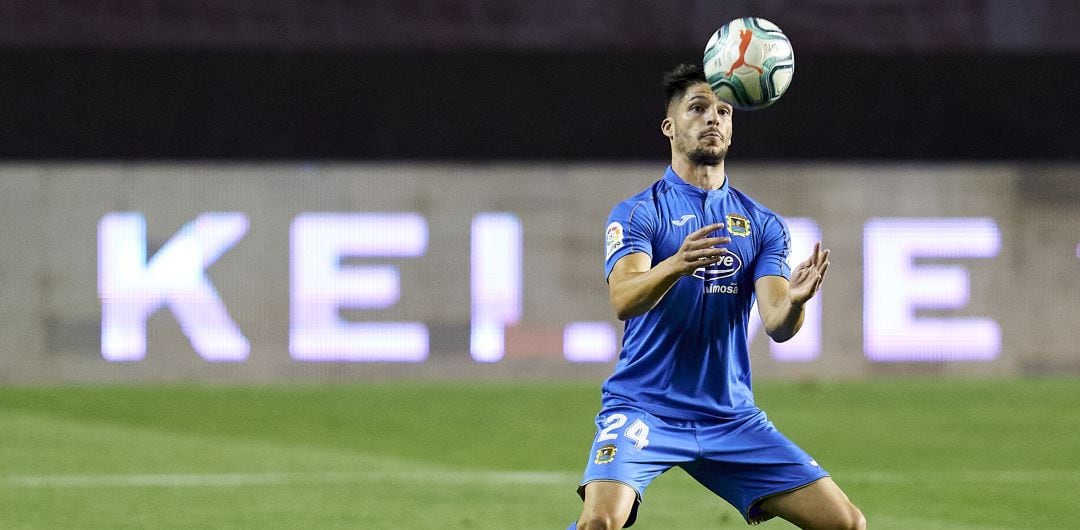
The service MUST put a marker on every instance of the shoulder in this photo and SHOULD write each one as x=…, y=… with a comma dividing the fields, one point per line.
x=759, y=213
x=641, y=207
x=752, y=206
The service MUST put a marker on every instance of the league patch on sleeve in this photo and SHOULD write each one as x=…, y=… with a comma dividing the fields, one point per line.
x=614, y=238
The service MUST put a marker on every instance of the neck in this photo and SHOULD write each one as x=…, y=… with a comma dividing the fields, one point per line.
x=704, y=177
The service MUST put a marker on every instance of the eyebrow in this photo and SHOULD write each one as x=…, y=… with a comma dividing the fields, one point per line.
x=719, y=102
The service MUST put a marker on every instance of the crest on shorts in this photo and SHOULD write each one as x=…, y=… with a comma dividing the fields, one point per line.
x=738, y=225
x=606, y=454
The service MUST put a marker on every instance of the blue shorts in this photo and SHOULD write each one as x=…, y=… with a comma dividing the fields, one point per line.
x=743, y=460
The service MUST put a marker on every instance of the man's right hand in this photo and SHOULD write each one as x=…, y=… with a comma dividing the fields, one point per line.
x=635, y=287
x=699, y=251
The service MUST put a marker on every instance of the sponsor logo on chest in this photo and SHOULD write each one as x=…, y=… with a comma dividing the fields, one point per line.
x=729, y=265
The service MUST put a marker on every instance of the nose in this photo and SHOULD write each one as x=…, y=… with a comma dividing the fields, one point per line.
x=714, y=116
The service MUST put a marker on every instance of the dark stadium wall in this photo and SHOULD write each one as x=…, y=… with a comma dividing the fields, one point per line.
x=517, y=105
x=280, y=190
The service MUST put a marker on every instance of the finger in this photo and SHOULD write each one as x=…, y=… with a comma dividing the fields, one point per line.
x=796, y=280
x=824, y=264
x=710, y=242
x=706, y=253
x=705, y=230
x=804, y=266
x=711, y=260
x=713, y=243
x=802, y=274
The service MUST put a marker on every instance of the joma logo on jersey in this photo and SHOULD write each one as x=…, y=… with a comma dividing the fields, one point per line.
x=728, y=265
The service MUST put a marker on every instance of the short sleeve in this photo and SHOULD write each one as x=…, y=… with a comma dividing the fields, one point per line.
x=629, y=230
x=772, y=259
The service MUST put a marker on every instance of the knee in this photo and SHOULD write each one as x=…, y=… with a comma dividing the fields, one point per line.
x=853, y=519
x=599, y=521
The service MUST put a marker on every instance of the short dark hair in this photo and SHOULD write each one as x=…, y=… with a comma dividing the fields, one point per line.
x=678, y=79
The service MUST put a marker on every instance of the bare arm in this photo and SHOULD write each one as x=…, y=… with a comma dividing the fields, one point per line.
x=636, y=287
x=780, y=302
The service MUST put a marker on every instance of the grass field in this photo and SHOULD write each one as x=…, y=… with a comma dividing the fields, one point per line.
x=956, y=454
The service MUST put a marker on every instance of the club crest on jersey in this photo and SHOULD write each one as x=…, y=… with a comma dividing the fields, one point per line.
x=614, y=238
x=606, y=454
x=738, y=225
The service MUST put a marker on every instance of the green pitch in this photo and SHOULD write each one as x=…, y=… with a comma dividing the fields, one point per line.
x=912, y=454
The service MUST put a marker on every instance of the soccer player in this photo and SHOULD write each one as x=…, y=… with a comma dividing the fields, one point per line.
x=685, y=259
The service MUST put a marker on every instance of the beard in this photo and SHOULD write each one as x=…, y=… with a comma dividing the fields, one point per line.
x=700, y=155
x=706, y=157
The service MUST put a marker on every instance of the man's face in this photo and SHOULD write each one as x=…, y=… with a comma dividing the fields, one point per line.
x=699, y=125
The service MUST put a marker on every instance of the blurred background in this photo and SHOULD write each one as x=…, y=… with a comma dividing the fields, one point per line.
x=259, y=261
x=266, y=190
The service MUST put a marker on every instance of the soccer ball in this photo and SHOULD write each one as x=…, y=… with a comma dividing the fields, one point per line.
x=749, y=63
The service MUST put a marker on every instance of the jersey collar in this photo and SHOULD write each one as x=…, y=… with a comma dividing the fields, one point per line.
x=676, y=181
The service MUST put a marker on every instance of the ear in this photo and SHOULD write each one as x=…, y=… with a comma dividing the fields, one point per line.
x=666, y=128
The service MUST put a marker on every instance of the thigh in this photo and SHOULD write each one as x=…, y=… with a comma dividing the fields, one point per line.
x=612, y=503
x=821, y=504
x=749, y=460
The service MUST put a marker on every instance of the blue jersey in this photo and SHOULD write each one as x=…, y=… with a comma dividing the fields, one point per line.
x=688, y=358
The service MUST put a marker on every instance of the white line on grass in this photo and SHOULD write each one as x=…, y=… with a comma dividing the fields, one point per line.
x=889, y=521
x=175, y=480
x=978, y=476
x=160, y=480
x=179, y=480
